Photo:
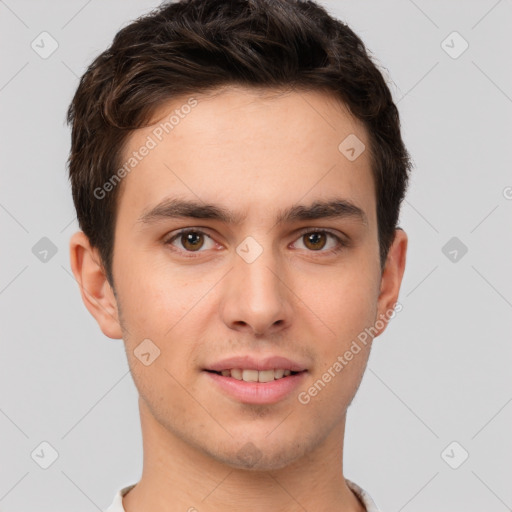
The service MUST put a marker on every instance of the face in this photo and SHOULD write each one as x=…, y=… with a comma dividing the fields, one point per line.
x=283, y=262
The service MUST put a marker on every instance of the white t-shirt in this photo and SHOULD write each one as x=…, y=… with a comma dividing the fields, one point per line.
x=117, y=504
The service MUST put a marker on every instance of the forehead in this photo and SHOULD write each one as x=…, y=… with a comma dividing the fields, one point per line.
x=239, y=145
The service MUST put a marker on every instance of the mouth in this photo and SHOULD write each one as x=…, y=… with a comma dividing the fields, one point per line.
x=250, y=375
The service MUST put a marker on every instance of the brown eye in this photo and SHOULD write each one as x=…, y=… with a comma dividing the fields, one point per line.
x=192, y=240
x=315, y=240
x=321, y=241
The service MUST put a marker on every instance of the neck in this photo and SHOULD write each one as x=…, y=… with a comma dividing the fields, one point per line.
x=178, y=476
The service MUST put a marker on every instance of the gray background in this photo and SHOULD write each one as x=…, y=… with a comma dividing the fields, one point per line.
x=439, y=374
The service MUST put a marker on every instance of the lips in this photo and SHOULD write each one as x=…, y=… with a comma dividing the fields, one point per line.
x=248, y=362
x=252, y=392
x=255, y=379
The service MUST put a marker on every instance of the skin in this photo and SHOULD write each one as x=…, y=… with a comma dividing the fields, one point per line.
x=252, y=153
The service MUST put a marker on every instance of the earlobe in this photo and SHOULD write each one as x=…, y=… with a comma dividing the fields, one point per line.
x=97, y=294
x=391, y=278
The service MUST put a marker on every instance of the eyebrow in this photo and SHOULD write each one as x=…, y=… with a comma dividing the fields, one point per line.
x=179, y=208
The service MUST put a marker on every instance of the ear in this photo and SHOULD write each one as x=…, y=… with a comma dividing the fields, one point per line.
x=97, y=294
x=391, y=279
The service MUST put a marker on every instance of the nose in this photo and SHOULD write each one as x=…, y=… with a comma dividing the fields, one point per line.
x=256, y=295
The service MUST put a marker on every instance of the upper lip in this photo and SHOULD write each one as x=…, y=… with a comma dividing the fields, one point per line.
x=248, y=362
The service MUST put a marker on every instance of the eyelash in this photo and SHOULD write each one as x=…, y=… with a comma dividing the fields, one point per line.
x=194, y=254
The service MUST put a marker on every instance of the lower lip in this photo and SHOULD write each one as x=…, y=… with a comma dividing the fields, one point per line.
x=258, y=392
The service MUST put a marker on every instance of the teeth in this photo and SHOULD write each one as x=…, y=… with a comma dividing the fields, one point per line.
x=265, y=375
x=236, y=373
x=255, y=375
x=250, y=375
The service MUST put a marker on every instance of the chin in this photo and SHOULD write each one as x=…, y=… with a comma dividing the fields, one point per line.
x=262, y=457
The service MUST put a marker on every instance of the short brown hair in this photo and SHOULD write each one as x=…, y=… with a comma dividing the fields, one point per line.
x=195, y=46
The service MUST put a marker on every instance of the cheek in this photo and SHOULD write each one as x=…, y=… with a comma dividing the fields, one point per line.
x=346, y=309
x=344, y=304
x=160, y=308
x=170, y=309
x=153, y=298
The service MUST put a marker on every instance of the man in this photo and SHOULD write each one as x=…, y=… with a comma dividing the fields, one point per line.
x=237, y=169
